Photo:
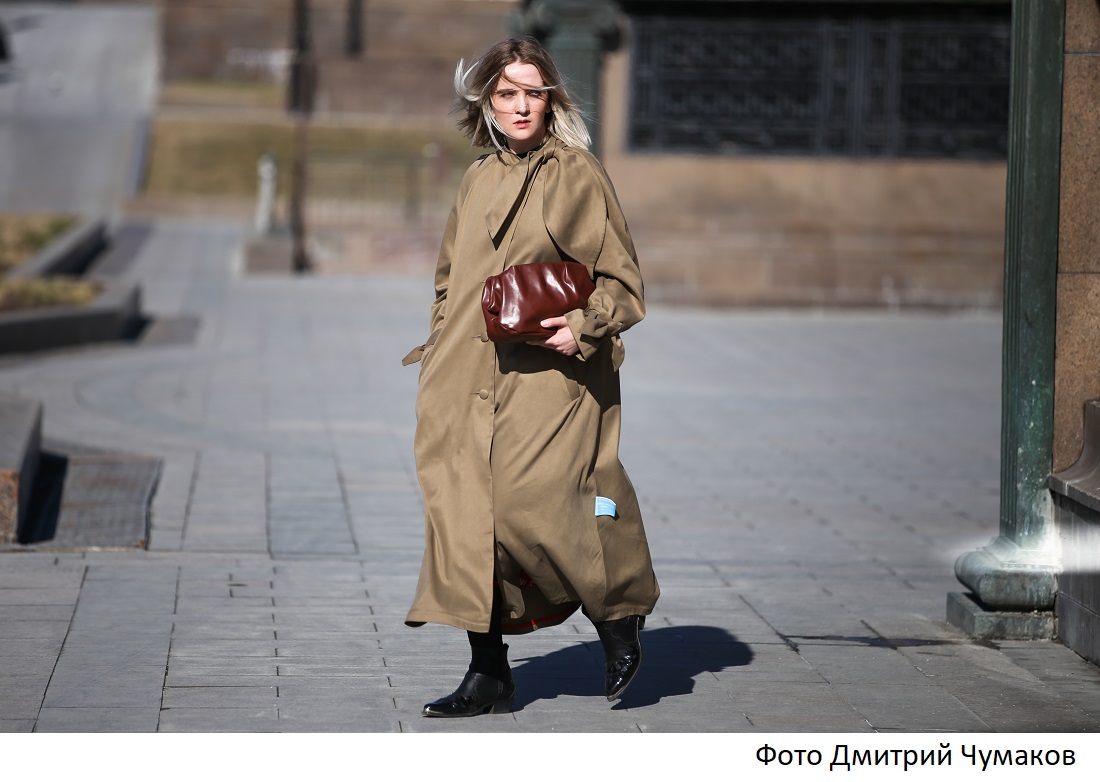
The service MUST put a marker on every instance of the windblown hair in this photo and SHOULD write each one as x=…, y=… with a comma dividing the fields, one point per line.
x=475, y=86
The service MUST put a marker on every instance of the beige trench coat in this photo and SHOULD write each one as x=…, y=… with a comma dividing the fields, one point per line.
x=514, y=442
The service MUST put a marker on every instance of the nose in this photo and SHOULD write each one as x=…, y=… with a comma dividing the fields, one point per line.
x=522, y=106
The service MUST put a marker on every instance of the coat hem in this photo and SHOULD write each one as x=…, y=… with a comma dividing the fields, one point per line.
x=508, y=626
x=621, y=612
x=422, y=618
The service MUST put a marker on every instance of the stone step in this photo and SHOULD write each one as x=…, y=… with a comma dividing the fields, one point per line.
x=20, y=451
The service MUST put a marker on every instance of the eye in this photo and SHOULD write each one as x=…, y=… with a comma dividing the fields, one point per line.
x=507, y=94
x=536, y=94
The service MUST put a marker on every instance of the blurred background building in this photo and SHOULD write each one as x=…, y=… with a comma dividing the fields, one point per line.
x=766, y=153
x=808, y=153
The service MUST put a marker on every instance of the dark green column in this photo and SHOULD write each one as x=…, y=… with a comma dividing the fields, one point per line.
x=1017, y=571
x=577, y=33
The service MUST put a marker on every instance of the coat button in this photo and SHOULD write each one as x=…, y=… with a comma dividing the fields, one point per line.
x=483, y=394
x=484, y=337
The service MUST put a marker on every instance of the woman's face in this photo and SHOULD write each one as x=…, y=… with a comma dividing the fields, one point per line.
x=520, y=107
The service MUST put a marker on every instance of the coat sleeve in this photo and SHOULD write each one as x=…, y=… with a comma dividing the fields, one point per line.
x=584, y=219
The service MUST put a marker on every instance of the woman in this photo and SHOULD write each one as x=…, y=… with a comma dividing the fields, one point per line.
x=529, y=514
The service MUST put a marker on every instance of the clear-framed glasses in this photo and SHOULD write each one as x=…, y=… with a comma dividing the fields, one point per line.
x=507, y=98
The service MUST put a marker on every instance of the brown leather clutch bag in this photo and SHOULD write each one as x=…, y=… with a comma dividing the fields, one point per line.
x=515, y=300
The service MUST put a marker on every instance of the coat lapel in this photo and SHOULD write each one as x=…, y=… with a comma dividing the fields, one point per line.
x=510, y=193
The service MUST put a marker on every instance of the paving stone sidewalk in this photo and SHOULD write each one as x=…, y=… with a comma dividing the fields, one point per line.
x=807, y=480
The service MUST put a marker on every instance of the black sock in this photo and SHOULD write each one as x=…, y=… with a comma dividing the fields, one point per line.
x=487, y=650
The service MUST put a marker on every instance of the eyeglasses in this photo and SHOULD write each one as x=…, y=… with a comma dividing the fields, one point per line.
x=508, y=99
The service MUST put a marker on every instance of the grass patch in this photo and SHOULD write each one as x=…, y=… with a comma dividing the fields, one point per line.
x=21, y=236
x=221, y=94
x=218, y=157
x=46, y=292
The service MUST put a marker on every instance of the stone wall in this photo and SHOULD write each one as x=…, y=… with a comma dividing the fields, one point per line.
x=409, y=47
x=1077, y=336
x=711, y=229
x=219, y=39
x=807, y=231
x=1077, y=352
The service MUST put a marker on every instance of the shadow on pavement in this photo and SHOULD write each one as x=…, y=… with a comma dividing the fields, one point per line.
x=672, y=658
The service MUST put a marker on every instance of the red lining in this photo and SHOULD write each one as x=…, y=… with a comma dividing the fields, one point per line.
x=535, y=624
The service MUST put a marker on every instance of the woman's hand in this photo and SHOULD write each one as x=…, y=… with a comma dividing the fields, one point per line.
x=562, y=340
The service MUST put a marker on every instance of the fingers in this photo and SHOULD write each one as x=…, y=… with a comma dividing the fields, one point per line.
x=551, y=343
x=561, y=340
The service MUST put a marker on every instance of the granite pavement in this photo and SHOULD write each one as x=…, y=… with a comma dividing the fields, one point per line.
x=807, y=480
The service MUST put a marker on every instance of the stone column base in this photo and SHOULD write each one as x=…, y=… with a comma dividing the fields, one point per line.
x=966, y=613
x=1012, y=592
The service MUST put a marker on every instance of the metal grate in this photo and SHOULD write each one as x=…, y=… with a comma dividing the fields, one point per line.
x=860, y=80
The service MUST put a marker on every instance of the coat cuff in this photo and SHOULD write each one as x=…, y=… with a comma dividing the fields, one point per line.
x=586, y=345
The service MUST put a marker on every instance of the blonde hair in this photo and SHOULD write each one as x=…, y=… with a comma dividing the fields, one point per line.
x=474, y=87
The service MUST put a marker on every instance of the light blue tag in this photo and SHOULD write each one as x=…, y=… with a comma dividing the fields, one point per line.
x=604, y=507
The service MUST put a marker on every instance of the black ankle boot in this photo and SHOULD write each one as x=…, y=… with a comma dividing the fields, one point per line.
x=479, y=693
x=622, y=648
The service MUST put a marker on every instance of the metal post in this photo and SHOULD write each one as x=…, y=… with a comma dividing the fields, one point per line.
x=301, y=104
x=355, y=28
x=1031, y=267
x=1017, y=571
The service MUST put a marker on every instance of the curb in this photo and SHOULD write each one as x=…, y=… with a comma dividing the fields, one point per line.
x=112, y=315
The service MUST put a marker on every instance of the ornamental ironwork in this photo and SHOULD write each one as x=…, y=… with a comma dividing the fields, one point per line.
x=859, y=80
